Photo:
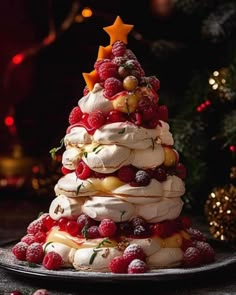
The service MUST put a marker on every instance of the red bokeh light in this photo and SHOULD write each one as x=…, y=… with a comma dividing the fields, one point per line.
x=17, y=59
x=9, y=121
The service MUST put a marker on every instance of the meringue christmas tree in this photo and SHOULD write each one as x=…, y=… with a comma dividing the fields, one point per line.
x=118, y=204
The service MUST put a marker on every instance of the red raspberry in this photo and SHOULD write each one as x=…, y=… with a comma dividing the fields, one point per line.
x=127, y=173
x=132, y=252
x=84, y=220
x=72, y=227
x=185, y=222
x=35, y=226
x=162, y=113
x=83, y=171
x=41, y=292
x=129, y=54
x=118, y=48
x=207, y=252
x=62, y=223
x=107, y=228
x=65, y=170
x=118, y=265
x=35, y=253
x=28, y=239
x=159, y=229
x=181, y=171
x=93, y=232
x=119, y=60
x=99, y=62
x=196, y=234
x=107, y=70
x=48, y=222
x=86, y=90
x=112, y=86
x=19, y=250
x=116, y=116
x=96, y=119
x=40, y=237
x=192, y=257
x=52, y=261
x=186, y=244
x=137, y=266
x=75, y=115
x=134, y=68
x=160, y=174
x=154, y=82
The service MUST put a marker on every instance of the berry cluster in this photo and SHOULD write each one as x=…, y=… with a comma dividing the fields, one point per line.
x=197, y=251
x=133, y=95
x=30, y=247
x=130, y=174
x=132, y=261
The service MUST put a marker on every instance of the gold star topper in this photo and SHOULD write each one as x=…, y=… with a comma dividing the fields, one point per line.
x=118, y=31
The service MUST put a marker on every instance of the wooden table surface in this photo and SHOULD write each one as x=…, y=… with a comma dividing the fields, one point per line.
x=17, y=211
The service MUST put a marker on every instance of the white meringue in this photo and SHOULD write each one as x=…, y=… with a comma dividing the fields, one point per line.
x=67, y=253
x=164, y=135
x=71, y=157
x=173, y=187
x=77, y=136
x=63, y=206
x=149, y=158
x=166, y=208
x=71, y=186
x=82, y=258
x=125, y=134
x=100, y=208
x=95, y=101
x=108, y=158
x=153, y=189
x=165, y=257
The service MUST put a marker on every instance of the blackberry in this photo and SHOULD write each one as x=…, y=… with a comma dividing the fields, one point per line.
x=125, y=228
x=142, y=178
x=140, y=231
x=138, y=221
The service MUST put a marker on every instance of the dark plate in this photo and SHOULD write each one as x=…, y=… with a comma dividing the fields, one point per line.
x=226, y=257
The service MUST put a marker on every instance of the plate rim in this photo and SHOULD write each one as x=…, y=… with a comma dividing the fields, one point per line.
x=163, y=274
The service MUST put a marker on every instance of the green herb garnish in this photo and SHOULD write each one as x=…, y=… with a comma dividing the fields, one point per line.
x=79, y=187
x=53, y=151
x=47, y=246
x=122, y=214
x=85, y=230
x=122, y=131
x=86, y=154
x=97, y=249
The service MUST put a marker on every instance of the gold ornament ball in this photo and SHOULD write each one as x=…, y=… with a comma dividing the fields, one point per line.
x=220, y=210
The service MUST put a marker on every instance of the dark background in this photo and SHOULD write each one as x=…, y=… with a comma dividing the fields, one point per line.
x=45, y=87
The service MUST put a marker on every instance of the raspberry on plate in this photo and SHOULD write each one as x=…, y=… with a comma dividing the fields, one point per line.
x=118, y=265
x=137, y=266
x=192, y=257
x=35, y=253
x=52, y=260
x=35, y=226
x=19, y=250
x=207, y=252
x=133, y=251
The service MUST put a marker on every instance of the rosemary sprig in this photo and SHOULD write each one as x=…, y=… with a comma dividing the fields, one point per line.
x=97, y=249
x=79, y=187
x=53, y=151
